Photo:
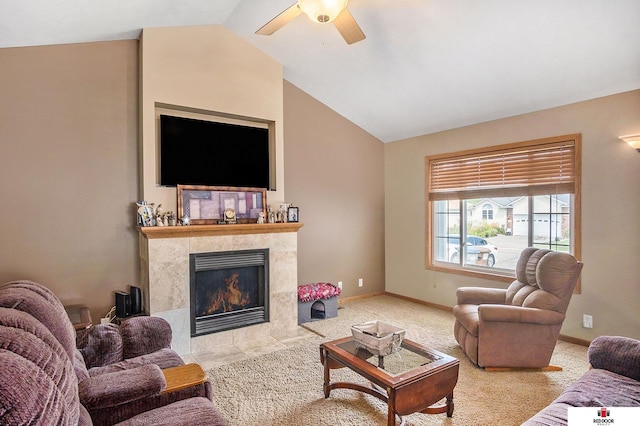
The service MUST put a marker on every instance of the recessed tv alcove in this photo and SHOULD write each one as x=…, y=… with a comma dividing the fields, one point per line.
x=212, y=149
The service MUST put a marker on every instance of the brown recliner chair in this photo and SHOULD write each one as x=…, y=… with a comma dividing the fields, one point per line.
x=518, y=327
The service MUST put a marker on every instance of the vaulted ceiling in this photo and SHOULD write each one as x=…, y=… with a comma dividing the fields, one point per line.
x=425, y=65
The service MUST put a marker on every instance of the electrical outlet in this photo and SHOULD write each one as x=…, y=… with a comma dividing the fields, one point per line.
x=360, y=282
x=340, y=285
x=587, y=321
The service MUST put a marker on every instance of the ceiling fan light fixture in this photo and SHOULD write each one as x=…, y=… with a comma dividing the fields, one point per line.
x=322, y=11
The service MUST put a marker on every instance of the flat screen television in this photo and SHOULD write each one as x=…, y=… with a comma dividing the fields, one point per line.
x=201, y=152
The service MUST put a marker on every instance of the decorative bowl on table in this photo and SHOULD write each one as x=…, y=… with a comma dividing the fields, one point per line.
x=378, y=337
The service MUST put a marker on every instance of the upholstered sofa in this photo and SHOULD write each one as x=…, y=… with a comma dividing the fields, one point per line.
x=114, y=378
x=612, y=381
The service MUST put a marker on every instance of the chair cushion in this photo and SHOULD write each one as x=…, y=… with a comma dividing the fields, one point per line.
x=144, y=334
x=521, y=265
x=618, y=354
x=518, y=292
x=602, y=388
x=196, y=411
x=467, y=316
x=100, y=345
x=554, y=271
x=542, y=300
x=33, y=359
x=531, y=267
x=42, y=304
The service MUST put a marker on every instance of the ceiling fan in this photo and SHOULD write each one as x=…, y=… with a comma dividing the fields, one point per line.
x=321, y=11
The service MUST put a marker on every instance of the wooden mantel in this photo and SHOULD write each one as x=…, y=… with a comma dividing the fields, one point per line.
x=152, y=232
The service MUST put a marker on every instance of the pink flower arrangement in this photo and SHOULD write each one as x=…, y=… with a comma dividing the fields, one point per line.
x=309, y=292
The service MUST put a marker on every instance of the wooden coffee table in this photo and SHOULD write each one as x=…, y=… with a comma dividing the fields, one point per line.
x=412, y=380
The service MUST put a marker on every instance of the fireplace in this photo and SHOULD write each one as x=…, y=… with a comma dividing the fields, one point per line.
x=228, y=290
x=165, y=257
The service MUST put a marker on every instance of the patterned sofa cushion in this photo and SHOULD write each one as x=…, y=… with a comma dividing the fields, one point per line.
x=30, y=352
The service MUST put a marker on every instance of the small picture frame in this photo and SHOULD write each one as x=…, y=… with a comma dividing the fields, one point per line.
x=293, y=214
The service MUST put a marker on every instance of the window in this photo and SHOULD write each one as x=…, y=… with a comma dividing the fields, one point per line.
x=485, y=206
x=487, y=212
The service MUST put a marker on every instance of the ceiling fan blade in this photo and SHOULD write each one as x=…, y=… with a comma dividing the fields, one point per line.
x=348, y=27
x=279, y=21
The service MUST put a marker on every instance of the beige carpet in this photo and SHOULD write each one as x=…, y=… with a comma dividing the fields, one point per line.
x=285, y=387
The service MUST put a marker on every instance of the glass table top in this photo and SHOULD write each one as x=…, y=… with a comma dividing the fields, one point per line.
x=405, y=359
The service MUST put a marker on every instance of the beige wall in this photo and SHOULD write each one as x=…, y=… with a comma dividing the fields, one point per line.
x=70, y=165
x=68, y=132
x=334, y=173
x=68, y=169
x=610, y=205
x=212, y=70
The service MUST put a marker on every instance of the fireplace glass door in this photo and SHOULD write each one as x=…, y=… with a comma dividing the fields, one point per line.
x=228, y=290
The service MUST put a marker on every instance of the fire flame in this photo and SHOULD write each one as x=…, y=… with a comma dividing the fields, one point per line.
x=225, y=300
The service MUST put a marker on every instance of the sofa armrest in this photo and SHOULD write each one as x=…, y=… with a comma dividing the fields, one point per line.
x=144, y=335
x=618, y=354
x=509, y=313
x=480, y=295
x=113, y=389
x=163, y=358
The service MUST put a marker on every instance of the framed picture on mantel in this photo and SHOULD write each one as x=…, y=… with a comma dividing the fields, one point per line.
x=293, y=214
x=206, y=205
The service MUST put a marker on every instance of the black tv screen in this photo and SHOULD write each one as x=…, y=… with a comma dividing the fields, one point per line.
x=200, y=152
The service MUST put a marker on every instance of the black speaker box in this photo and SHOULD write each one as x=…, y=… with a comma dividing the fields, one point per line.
x=135, y=295
x=123, y=304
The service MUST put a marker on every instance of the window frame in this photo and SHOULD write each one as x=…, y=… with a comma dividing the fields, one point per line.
x=431, y=197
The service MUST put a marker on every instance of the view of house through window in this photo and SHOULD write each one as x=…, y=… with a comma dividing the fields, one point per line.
x=486, y=206
x=496, y=241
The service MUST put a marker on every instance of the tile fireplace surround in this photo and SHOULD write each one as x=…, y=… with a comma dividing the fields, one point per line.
x=164, y=263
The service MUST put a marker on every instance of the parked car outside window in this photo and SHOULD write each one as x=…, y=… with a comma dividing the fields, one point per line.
x=476, y=247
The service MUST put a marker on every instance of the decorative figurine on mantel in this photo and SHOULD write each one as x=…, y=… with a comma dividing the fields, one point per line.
x=282, y=213
x=159, y=216
x=166, y=219
x=145, y=214
x=260, y=217
x=171, y=218
x=271, y=216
